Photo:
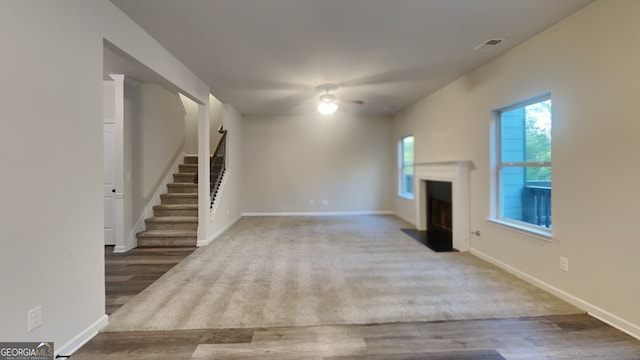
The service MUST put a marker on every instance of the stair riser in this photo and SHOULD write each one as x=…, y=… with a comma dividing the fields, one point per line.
x=182, y=188
x=179, y=200
x=167, y=242
x=175, y=212
x=184, y=178
x=191, y=226
x=191, y=160
x=183, y=168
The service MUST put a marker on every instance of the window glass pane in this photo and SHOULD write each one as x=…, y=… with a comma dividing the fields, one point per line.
x=512, y=132
x=406, y=166
x=538, y=131
x=526, y=133
x=407, y=180
x=407, y=151
x=525, y=194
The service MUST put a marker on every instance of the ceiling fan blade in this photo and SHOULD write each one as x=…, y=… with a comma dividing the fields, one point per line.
x=354, y=102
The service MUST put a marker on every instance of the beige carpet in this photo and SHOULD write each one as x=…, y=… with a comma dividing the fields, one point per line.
x=296, y=271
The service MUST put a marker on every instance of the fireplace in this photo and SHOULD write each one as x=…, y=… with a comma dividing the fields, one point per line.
x=456, y=174
x=439, y=236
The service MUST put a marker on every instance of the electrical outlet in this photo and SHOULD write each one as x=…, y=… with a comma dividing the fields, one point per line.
x=325, y=202
x=564, y=263
x=34, y=318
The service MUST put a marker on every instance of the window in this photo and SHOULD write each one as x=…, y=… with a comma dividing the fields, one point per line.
x=523, y=165
x=405, y=161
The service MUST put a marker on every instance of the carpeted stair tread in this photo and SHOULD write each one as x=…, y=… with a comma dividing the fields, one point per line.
x=192, y=158
x=167, y=233
x=179, y=198
x=167, y=238
x=187, y=168
x=182, y=187
x=176, y=206
x=190, y=195
x=173, y=219
x=175, y=210
x=181, y=183
x=185, y=178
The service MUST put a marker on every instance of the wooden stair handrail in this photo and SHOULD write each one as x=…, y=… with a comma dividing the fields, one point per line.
x=216, y=153
x=220, y=152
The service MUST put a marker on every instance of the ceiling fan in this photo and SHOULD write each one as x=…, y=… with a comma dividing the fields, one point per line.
x=328, y=103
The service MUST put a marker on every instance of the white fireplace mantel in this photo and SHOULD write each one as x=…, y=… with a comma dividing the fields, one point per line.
x=456, y=172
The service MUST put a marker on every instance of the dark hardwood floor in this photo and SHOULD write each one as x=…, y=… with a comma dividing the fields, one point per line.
x=127, y=274
x=549, y=337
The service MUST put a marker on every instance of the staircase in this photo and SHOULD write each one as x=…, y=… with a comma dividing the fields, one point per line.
x=175, y=220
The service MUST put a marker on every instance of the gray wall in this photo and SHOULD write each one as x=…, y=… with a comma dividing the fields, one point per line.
x=315, y=163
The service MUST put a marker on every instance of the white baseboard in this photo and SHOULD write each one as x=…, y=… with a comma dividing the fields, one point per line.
x=140, y=224
x=208, y=240
x=82, y=338
x=321, y=213
x=125, y=248
x=410, y=221
x=598, y=313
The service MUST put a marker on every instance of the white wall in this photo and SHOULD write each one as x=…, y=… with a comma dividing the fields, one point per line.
x=228, y=207
x=341, y=163
x=109, y=101
x=216, y=114
x=52, y=210
x=589, y=64
x=190, y=125
x=157, y=140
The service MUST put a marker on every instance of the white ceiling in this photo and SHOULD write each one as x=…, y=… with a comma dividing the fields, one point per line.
x=265, y=57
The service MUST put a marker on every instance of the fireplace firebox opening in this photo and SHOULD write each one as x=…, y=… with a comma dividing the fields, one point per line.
x=439, y=215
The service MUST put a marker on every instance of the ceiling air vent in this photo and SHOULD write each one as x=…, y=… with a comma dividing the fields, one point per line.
x=489, y=44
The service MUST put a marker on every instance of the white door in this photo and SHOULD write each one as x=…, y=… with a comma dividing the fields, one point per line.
x=109, y=184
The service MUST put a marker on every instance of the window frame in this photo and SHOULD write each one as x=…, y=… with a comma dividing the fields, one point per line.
x=401, y=168
x=537, y=231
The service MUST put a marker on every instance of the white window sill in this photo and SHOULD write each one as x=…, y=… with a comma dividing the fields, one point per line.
x=537, y=233
x=406, y=196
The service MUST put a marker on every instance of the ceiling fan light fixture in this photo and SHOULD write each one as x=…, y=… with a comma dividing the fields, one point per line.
x=327, y=104
x=327, y=108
